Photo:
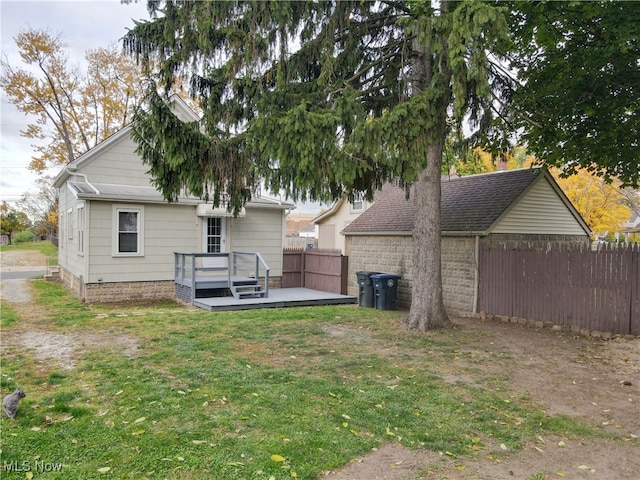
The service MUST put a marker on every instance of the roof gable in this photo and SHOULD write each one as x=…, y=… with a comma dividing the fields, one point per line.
x=472, y=204
x=179, y=108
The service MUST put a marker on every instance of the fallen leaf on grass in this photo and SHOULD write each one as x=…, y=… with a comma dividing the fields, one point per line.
x=586, y=467
x=277, y=458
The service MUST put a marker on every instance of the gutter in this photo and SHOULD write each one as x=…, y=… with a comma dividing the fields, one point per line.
x=81, y=175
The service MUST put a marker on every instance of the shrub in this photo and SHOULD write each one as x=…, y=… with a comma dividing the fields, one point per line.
x=23, y=237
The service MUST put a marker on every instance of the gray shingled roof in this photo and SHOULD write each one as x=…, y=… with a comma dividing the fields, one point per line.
x=469, y=204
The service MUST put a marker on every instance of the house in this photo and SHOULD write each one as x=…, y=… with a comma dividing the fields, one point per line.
x=118, y=235
x=331, y=223
x=525, y=205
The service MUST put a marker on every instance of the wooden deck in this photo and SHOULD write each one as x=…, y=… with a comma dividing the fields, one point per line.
x=214, y=282
x=278, y=297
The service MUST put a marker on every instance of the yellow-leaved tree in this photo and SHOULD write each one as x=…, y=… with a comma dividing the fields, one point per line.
x=601, y=204
x=72, y=111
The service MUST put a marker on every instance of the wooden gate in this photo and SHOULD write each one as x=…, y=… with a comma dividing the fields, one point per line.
x=323, y=270
x=594, y=290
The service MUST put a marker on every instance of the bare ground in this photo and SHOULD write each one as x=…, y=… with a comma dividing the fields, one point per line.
x=598, y=381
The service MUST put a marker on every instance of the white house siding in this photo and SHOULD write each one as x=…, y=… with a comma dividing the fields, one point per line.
x=540, y=212
x=118, y=165
x=68, y=257
x=167, y=228
x=262, y=231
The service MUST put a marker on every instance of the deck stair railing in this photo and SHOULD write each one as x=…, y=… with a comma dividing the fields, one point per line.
x=249, y=264
x=240, y=272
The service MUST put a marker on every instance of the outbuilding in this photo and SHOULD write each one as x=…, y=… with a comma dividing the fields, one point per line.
x=514, y=206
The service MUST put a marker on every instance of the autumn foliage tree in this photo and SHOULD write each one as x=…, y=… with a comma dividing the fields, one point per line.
x=601, y=203
x=72, y=111
x=41, y=206
x=12, y=221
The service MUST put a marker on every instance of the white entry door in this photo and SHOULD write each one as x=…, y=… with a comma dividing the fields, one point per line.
x=214, y=240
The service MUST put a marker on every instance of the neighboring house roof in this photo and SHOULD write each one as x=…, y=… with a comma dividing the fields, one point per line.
x=471, y=204
x=332, y=210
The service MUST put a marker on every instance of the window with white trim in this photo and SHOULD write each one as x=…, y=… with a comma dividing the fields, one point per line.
x=70, y=224
x=213, y=236
x=81, y=223
x=127, y=231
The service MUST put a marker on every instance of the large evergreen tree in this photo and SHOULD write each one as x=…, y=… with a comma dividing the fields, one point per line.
x=319, y=99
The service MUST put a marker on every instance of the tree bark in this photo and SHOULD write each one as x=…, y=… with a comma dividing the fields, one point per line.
x=427, y=305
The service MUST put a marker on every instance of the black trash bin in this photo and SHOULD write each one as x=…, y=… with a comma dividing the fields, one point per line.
x=366, y=295
x=385, y=286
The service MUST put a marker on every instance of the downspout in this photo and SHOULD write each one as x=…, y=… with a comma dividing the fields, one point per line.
x=476, y=275
x=84, y=176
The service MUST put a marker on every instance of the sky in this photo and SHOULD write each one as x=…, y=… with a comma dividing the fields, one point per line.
x=83, y=25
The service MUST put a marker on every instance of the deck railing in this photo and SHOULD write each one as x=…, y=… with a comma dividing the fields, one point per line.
x=189, y=268
x=256, y=262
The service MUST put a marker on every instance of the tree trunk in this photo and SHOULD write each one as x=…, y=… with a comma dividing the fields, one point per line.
x=427, y=305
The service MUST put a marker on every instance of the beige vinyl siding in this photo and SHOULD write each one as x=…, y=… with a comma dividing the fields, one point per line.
x=327, y=236
x=334, y=224
x=167, y=228
x=541, y=211
x=118, y=165
x=68, y=256
x=262, y=231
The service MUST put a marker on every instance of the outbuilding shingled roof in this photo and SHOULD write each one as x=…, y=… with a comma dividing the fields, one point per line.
x=469, y=204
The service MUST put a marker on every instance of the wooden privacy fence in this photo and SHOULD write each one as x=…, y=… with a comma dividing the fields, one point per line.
x=593, y=290
x=323, y=270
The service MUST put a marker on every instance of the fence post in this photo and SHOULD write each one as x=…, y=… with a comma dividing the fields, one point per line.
x=634, y=297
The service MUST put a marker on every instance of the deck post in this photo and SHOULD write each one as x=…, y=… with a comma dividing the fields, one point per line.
x=193, y=278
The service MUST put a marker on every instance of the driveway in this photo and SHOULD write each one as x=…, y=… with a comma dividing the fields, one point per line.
x=16, y=267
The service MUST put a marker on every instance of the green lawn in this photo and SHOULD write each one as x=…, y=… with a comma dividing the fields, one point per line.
x=257, y=394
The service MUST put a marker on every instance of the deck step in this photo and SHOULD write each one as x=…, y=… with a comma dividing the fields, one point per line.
x=247, y=291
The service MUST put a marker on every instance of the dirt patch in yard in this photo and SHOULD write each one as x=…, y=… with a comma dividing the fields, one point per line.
x=48, y=347
x=64, y=349
x=598, y=381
